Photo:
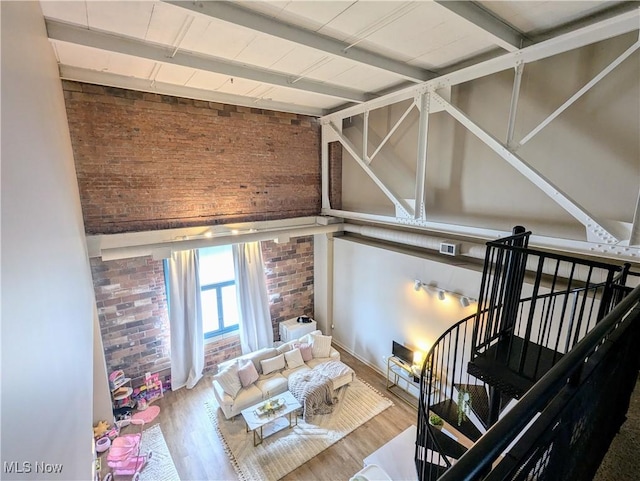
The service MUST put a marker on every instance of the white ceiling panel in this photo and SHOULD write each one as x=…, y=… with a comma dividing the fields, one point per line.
x=129, y=66
x=125, y=18
x=362, y=77
x=332, y=47
x=217, y=38
x=265, y=51
x=173, y=74
x=329, y=68
x=238, y=86
x=453, y=52
x=85, y=57
x=314, y=15
x=70, y=12
x=168, y=24
x=364, y=18
x=533, y=16
x=298, y=60
x=423, y=30
x=207, y=80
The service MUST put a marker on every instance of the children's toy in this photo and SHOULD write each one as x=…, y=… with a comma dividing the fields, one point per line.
x=103, y=444
x=124, y=457
x=100, y=429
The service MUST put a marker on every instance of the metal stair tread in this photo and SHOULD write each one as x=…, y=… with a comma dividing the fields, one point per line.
x=449, y=446
x=448, y=410
x=479, y=400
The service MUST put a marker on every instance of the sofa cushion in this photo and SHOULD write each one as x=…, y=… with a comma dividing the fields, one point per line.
x=320, y=345
x=247, y=372
x=305, y=350
x=272, y=364
x=229, y=380
x=272, y=385
x=258, y=356
x=293, y=358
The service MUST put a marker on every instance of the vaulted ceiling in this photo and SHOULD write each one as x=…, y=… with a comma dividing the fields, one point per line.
x=309, y=57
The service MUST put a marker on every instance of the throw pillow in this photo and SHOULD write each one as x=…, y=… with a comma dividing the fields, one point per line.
x=320, y=345
x=273, y=364
x=247, y=372
x=305, y=350
x=293, y=358
x=307, y=337
x=229, y=380
x=257, y=356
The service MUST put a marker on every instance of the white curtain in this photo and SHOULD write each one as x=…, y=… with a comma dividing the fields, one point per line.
x=185, y=320
x=256, y=331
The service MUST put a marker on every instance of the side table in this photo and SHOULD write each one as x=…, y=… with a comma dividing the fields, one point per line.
x=292, y=329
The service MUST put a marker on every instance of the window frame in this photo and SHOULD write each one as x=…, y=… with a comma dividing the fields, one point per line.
x=218, y=288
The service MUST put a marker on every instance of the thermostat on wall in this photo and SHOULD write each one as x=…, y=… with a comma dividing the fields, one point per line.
x=449, y=248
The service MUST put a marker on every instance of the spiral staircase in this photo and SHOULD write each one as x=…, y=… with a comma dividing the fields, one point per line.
x=534, y=309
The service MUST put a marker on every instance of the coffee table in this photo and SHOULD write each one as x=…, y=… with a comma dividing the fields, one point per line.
x=256, y=421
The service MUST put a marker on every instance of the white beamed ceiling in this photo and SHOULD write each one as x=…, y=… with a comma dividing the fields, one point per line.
x=422, y=34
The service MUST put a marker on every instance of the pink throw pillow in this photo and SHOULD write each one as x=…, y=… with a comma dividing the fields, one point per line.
x=247, y=372
x=305, y=350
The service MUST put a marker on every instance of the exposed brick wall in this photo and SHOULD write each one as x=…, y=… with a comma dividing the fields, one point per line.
x=134, y=320
x=335, y=175
x=132, y=308
x=289, y=270
x=220, y=350
x=146, y=161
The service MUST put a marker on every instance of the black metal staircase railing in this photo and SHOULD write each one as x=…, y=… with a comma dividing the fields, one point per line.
x=534, y=308
x=562, y=427
x=517, y=339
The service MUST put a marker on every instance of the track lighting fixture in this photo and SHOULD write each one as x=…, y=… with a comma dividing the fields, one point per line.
x=465, y=301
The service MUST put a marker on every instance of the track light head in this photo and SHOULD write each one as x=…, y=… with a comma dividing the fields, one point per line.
x=417, y=284
x=441, y=295
x=464, y=301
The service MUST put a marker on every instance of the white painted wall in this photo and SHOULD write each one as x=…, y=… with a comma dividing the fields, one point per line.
x=47, y=295
x=375, y=302
x=322, y=289
x=102, y=407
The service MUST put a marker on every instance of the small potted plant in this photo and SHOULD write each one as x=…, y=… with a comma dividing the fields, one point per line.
x=436, y=421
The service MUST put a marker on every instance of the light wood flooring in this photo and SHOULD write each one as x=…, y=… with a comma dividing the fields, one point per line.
x=199, y=455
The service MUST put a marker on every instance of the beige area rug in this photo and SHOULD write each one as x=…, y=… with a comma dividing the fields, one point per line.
x=160, y=467
x=288, y=449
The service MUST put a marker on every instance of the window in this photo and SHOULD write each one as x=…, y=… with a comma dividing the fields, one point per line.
x=218, y=291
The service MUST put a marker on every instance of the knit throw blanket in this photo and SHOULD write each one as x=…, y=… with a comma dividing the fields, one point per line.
x=314, y=391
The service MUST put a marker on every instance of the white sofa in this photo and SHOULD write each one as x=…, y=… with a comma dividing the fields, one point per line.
x=276, y=382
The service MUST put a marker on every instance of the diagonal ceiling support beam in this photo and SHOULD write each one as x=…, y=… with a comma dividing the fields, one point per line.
x=128, y=46
x=391, y=131
x=594, y=229
x=228, y=12
x=392, y=196
x=621, y=58
x=503, y=34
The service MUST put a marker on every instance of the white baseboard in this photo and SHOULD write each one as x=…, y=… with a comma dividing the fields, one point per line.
x=363, y=361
